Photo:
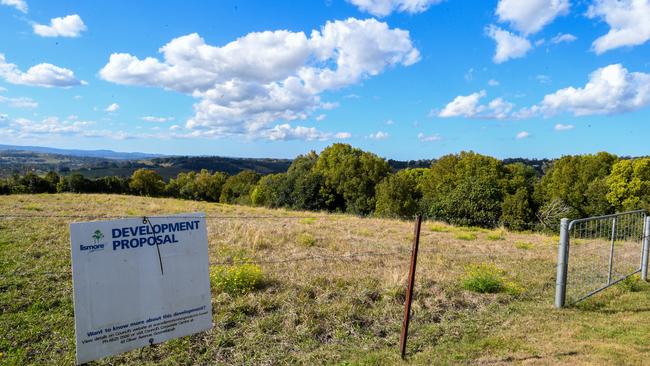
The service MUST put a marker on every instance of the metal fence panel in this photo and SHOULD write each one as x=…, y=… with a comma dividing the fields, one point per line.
x=598, y=252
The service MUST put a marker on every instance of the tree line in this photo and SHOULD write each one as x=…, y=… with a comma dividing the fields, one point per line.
x=465, y=188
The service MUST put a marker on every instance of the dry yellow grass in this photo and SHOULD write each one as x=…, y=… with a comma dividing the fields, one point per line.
x=336, y=299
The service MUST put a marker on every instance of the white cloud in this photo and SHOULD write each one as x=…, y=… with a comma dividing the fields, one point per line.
x=321, y=117
x=2, y=90
x=23, y=128
x=382, y=8
x=610, y=90
x=498, y=109
x=563, y=37
x=20, y=5
x=156, y=119
x=469, y=75
x=352, y=96
x=562, y=127
x=429, y=138
x=68, y=26
x=493, y=82
x=469, y=106
x=543, y=79
x=463, y=105
x=285, y=132
x=379, y=135
x=44, y=74
x=112, y=108
x=20, y=102
x=509, y=45
x=389, y=122
x=174, y=128
x=246, y=85
x=522, y=135
x=530, y=16
x=628, y=20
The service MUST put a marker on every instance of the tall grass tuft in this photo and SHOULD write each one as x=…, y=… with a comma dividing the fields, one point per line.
x=237, y=279
x=483, y=278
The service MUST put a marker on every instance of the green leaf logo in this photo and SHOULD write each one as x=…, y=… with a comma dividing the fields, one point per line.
x=97, y=236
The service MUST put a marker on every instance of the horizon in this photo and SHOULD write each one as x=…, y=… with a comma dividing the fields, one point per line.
x=154, y=155
x=533, y=80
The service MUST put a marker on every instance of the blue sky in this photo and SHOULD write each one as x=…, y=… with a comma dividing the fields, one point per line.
x=406, y=79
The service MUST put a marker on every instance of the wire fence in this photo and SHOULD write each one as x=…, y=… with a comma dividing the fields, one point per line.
x=603, y=251
x=218, y=235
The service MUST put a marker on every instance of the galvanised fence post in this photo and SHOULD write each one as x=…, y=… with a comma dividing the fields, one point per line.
x=646, y=247
x=562, y=264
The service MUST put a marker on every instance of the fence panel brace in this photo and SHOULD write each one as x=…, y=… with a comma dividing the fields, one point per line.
x=409, y=290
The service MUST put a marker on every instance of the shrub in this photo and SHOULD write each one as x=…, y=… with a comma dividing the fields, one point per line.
x=632, y=284
x=146, y=182
x=306, y=240
x=237, y=279
x=398, y=194
x=524, y=245
x=484, y=278
x=465, y=236
x=238, y=188
x=498, y=234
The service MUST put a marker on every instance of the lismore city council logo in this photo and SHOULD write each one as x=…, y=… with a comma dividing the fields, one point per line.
x=96, y=245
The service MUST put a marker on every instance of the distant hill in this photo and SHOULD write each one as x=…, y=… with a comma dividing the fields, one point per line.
x=99, y=163
x=107, y=154
x=40, y=160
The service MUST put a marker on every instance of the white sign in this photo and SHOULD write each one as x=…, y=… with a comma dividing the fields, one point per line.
x=138, y=283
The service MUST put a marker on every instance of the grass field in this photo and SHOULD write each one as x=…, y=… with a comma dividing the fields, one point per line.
x=331, y=292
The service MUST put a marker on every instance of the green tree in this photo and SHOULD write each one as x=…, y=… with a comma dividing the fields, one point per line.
x=52, y=179
x=32, y=183
x=146, y=182
x=269, y=191
x=576, y=182
x=464, y=189
x=629, y=184
x=303, y=186
x=238, y=188
x=350, y=176
x=208, y=186
x=399, y=194
x=111, y=184
x=4, y=187
x=518, y=207
x=183, y=186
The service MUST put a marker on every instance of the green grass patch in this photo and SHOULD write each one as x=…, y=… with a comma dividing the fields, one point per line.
x=465, y=236
x=498, y=234
x=307, y=220
x=484, y=279
x=33, y=207
x=306, y=240
x=524, y=245
x=440, y=228
x=633, y=284
x=488, y=279
x=237, y=279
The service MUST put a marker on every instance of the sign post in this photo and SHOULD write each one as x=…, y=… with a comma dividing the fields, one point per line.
x=139, y=282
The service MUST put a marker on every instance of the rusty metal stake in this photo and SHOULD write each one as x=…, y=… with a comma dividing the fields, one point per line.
x=409, y=290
